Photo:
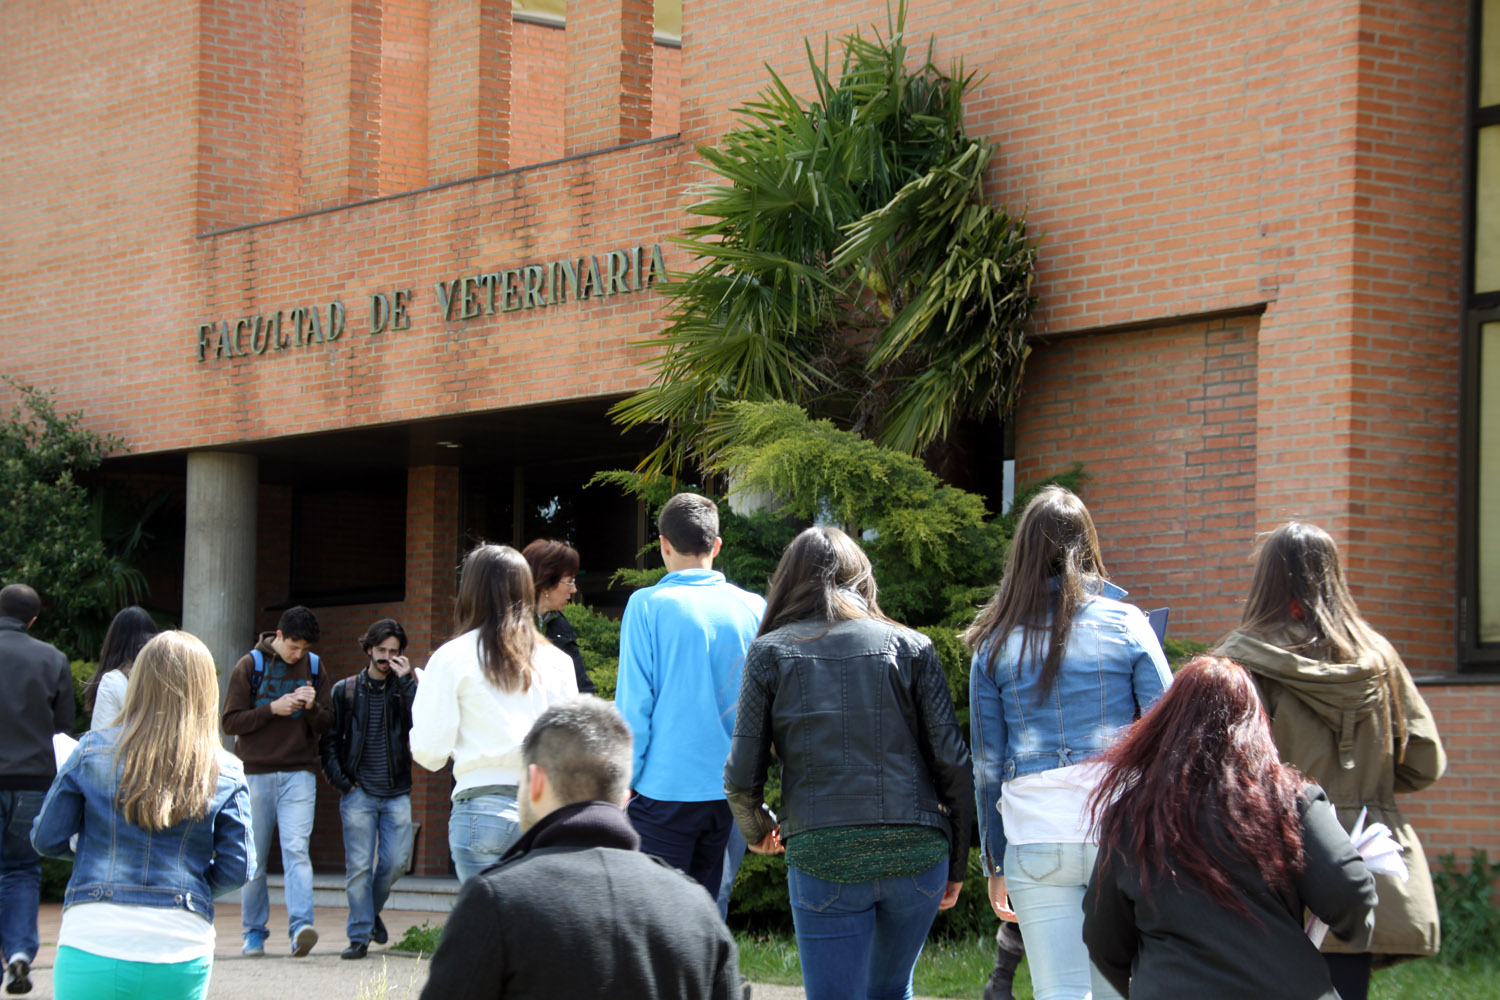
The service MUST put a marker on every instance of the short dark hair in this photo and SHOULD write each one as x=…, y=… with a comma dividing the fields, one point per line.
x=380, y=632
x=690, y=522
x=299, y=623
x=584, y=746
x=550, y=561
x=19, y=601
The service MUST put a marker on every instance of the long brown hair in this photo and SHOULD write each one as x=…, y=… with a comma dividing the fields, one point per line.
x=1055, y=540
x=1207, y=742
x=168, y=752
x=1300, y=601
x=823, y=576
x=496, y=599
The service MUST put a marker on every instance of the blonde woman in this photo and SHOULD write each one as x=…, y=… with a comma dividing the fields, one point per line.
x=478, y=698
x=162, y=813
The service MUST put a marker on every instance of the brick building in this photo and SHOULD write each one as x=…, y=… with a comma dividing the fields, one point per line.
x=356, y=282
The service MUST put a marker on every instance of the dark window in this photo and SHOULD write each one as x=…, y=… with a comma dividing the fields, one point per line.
x=349, y=546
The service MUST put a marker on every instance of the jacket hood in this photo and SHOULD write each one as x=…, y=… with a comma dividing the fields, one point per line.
x=1336, y=692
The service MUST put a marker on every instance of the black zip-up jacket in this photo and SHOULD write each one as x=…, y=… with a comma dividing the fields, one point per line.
x=341, y=746
x=38, y=702
x=560, y=632
x=860, y=715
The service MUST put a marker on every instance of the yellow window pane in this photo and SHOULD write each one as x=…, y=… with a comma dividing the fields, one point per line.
x=1489, y=483
x=1487, y=212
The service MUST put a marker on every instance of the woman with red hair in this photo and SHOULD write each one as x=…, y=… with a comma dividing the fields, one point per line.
x=1210, y=849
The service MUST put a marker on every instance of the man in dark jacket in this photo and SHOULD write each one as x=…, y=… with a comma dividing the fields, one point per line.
x=38, y=702
x=367, y=757
x=574, y=909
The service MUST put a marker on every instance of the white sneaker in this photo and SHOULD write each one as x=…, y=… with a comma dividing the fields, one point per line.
x=303, y=940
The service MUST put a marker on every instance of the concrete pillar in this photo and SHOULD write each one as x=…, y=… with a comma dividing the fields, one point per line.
x=218, y=572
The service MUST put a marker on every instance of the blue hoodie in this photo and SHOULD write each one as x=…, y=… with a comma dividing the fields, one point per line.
x=682, y=650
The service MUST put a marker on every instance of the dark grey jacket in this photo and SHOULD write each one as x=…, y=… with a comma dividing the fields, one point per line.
x=575, y=910
x=860, y=715
x=1177, y=941
x=38, y=702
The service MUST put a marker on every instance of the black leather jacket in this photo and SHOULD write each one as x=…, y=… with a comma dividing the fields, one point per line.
x=860, y=715
x=341, y=745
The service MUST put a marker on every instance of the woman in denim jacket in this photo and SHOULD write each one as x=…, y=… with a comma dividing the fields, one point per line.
x=1060, y=667
x=162, y=817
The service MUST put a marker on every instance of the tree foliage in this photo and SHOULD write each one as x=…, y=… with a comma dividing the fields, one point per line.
x=848, y=263
x=53, y=531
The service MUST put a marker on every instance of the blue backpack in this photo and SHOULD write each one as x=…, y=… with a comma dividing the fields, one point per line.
x=258, y=672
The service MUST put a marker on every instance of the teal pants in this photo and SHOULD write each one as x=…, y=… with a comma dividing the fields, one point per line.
x=82, y=975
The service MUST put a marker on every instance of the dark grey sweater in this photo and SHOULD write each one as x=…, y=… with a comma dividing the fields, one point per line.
x=38, y=702
x=575, y=910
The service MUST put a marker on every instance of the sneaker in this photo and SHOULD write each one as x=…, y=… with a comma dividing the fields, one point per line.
x=19, y=970
x=378, y=935
x=356, y=949
x=303, y=940
x=254, y=947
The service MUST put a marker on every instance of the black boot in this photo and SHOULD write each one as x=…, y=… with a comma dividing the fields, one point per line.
x=1008, y=954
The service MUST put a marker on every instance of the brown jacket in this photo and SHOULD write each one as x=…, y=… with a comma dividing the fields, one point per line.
x=1331, y=722
x=265, y=741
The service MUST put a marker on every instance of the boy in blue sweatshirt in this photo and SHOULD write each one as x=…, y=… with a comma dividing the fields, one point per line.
x=682, y=650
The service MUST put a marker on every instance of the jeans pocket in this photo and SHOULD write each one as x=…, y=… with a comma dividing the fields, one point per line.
x=1038, y=861
x=810, y=892
x=932, y=892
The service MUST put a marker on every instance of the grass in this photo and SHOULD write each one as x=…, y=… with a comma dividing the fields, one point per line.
x=959, y=969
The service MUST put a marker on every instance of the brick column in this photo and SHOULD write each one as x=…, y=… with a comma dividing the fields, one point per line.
x=341, y=102
x=608, y=95
x=432, y=544
x=468, y=88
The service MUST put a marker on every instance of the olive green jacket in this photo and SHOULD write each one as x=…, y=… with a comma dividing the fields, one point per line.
x=1332, y=723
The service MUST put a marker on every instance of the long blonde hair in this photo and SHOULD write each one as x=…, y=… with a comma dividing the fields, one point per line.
x=168, y=754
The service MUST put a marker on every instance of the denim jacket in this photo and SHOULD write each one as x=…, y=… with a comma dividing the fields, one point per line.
x=1112, y=671
x=187, y=865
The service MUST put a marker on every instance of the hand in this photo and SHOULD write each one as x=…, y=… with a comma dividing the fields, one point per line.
x=308, y=694
x=287, y=703
x=950, y=895
x=769, y=844
x=999, y=901
x=400, y=665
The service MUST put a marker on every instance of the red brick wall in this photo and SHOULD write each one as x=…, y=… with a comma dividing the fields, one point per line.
x=1163, y=421
x=1457, y=814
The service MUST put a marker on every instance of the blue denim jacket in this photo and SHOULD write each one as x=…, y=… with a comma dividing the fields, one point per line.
x=1112, y=671
x=187, y=865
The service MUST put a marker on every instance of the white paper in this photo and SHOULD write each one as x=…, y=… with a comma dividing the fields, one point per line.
x=1381, y=855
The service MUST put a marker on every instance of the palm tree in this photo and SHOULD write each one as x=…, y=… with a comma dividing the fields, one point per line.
x=848, y=263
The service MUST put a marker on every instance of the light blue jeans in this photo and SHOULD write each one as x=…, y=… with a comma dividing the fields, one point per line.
x=861, y=940
x=281, y=801
x=377, y=843
x=480, y=830
x=1046, y=884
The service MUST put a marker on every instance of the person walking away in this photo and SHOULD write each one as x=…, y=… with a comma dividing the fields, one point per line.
x=38, y=703
x=161, y=813
x=105, y=693
x=1061, y=666
x=682, y=651
x=877, y=794
x=1344, y=712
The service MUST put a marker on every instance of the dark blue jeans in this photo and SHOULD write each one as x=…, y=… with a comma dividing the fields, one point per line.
x=20, y=874
x=862, y=939
x=689, y=836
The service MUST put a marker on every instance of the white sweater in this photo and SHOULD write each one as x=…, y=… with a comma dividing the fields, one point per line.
x=459, y=714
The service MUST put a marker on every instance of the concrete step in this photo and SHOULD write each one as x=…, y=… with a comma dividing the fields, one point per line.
x=426, y=893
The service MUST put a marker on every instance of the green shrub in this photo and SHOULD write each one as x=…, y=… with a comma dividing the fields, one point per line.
x=1179, y=651
x=1470, y=920
x=422, y=939
x=55, y=875
x=599, y=642
x=954, y=656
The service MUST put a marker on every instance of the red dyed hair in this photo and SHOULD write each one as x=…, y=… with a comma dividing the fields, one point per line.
x=1206, y=742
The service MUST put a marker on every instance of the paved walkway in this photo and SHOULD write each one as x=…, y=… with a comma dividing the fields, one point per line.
x=319, y=976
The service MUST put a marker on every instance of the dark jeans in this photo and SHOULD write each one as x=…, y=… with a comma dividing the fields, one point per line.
x=20, y=874
x=687, y=835
x=1350, y=974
